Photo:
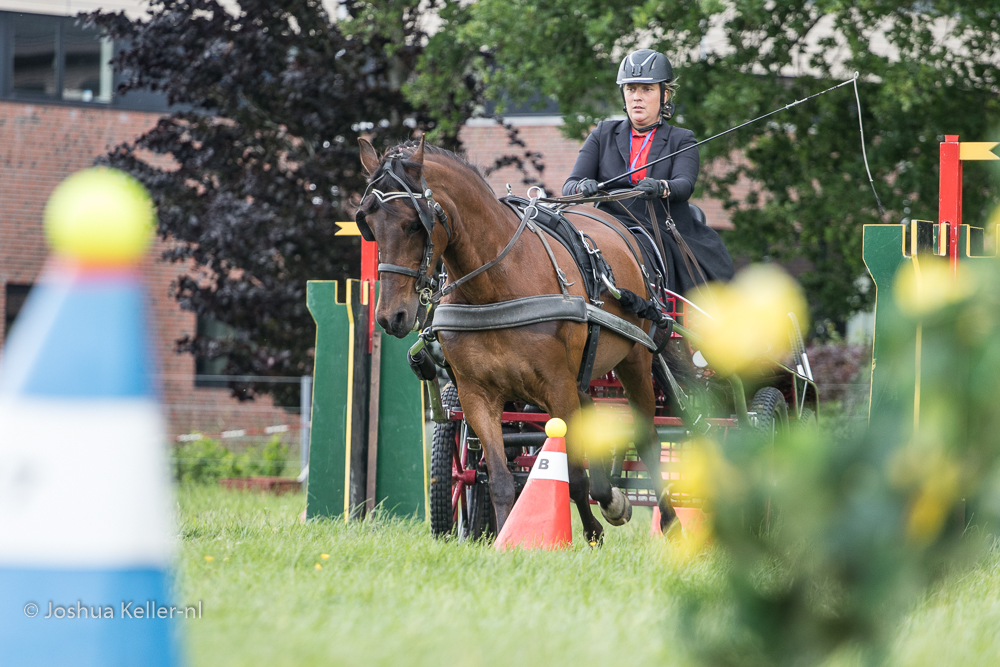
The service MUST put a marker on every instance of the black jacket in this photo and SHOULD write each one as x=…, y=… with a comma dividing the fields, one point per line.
x=604, y=155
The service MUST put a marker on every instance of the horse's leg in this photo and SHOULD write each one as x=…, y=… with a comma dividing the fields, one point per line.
x=635, y=374
x=484, y=414
x=583, y=487
x=614, y=504
x=562, y=400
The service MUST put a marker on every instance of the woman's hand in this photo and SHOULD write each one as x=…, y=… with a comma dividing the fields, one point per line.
x=587, y=187
x=652, y=188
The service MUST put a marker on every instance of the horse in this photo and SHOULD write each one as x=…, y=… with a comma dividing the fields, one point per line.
x=537, y=363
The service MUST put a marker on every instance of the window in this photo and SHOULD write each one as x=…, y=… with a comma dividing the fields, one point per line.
x=15, y=296
x=53, y=58
x=207, y=370
x=87, y=74
x=34, y=57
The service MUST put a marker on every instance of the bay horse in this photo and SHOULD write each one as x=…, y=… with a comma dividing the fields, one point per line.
x=536, y=363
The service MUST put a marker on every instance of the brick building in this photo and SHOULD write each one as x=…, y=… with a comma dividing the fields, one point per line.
x=58, y=113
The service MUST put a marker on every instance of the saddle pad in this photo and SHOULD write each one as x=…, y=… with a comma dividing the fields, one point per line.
x=558, y=227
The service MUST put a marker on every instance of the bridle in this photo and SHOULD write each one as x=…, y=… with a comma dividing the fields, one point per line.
x=430, y=214
x=425, y=280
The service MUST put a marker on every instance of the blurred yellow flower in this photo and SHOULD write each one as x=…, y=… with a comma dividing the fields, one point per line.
x=318, y=566
x=601, y=431
x=933, y=479
x=704, y=470
x=925, y=284
x=209, y=558
x=324, y=556
x=693, y=542
x=749, y=317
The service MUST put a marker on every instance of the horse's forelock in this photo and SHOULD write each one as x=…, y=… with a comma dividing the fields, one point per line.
x=406, y=149
x=396, y=167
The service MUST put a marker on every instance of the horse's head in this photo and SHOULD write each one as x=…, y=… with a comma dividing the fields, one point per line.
x=399, y=212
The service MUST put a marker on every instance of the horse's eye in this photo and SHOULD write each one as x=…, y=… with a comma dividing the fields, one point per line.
x=414, y=226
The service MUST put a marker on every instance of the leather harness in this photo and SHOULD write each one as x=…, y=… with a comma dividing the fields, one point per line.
x=541, y=220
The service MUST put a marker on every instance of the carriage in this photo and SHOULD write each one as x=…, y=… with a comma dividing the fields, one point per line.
x=783, y=394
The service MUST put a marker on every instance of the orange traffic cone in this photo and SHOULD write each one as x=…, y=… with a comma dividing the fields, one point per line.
x=540, y=518
x=691, y=518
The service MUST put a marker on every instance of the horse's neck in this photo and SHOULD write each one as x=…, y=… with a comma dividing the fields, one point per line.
x=482, y=230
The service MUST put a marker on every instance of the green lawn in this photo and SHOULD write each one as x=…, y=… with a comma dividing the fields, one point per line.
x=389, y=594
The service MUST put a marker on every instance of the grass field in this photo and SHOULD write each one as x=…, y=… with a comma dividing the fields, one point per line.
x=389, y=594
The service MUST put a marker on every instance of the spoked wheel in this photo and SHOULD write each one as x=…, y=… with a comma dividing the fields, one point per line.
x=444, y=448
x=459, y=489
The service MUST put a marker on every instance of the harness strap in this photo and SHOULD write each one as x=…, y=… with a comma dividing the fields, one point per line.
x=657, y=235
x=507, y=314
x=690, y=261
x=560, y=275
x=686, y=252
x=396, y=268
x=451, y=287
x=589, y=356
x=636, y=255
x=531, y=310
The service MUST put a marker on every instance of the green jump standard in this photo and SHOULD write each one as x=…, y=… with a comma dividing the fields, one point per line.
x=338, y=446
x=886, y=249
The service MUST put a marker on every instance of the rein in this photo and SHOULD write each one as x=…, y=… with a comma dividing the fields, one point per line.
x=451, y=287
x=690, y=260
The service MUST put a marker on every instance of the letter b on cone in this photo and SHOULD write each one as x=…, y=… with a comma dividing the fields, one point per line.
x=540, y=518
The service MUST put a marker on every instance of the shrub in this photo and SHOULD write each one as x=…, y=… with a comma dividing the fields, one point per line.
x=274, y=457
x=205, y=461
x=202, y=461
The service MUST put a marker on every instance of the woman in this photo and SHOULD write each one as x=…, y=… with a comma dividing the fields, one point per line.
x=646, y=80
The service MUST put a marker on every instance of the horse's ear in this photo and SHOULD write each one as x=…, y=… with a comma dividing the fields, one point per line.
x=418, y=155
x=369, y=158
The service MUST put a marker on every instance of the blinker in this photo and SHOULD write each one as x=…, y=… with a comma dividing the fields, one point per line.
x=363, y=227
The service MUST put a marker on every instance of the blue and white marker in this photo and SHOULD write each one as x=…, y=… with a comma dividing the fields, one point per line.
x=85, y=501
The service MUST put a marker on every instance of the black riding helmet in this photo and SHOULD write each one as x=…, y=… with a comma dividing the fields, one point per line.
x=647, y=66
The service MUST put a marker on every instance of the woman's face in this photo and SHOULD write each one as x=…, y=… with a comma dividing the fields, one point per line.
x=642, y=103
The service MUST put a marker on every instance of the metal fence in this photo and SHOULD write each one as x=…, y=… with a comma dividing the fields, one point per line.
x=237, y=425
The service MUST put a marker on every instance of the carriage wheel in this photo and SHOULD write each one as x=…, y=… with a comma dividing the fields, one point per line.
x=772, y=412
x=807, y=419
x=482, y=520
x=444, y=453
x=772, y=419
x=457, y=493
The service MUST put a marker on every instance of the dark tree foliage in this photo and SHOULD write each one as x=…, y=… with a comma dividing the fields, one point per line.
x=261, y=154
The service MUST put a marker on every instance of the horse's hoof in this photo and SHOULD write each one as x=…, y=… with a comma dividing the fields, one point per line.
x=619, y=510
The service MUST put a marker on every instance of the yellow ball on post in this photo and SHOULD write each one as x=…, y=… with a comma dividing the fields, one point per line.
x=100, y=216
x=555, y=428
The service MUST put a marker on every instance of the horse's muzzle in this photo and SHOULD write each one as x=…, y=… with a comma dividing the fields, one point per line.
x=399, y=324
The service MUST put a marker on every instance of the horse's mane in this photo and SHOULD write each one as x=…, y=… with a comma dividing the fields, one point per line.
x=408, y=148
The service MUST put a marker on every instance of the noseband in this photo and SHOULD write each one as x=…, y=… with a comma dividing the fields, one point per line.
x=425, y=282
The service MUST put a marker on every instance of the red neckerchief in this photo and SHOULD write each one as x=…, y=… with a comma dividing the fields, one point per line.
x=639, y=152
